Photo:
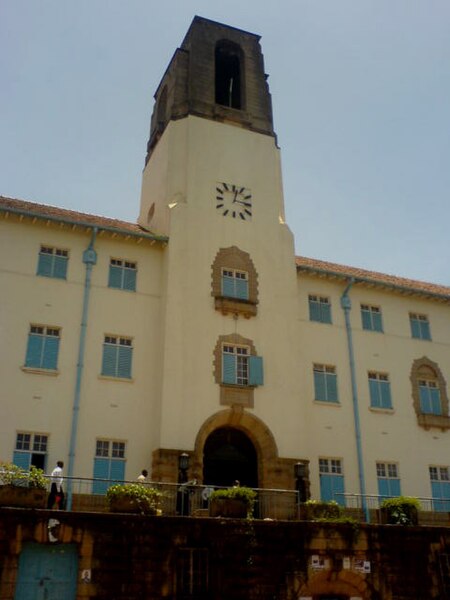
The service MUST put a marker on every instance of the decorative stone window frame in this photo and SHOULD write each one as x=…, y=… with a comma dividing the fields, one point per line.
x=234, y=259
x=424, y=368
x=230, y=395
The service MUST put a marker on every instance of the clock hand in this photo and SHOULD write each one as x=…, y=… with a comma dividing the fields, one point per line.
x=234, y=199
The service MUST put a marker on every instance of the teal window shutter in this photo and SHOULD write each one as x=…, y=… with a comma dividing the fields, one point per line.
x=332, y=394
x=129, y=280
x=34, y=350
x=22, y=459
x=394, y=487
x=228, y=286
x=101, y=471
x=60, y=267
x=320, y=392
x=50, y=355
x=366, y=320
x=115, y=276
x=255, y=376
x=228, y=368
x=385, y=393
x=242, y=289
x=314, y=310
x=425, y=330
x=440, y=490
x=117, y=470
x=383, y=486
x=124, y=362
x=375, y=400
x=325, y=313
x=326, y=489
x=45, y=265
x=377, y=322
x=435, y=401
x=109, y=360
x=415, y=328
x=337, y=482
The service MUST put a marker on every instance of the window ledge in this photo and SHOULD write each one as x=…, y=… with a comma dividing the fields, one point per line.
x=226, y=305
x=112, y=287
x=112, y=378
x=438, y=421
x=326, y=403
x=376, y=409
x=39, y=371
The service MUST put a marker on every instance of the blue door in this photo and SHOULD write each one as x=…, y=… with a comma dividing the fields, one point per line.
x=47, y=572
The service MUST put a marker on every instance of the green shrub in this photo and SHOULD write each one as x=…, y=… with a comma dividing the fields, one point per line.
x=245, y=494
x=11, y=474
x=143, y=498
x=401, y=510
x=315, y=510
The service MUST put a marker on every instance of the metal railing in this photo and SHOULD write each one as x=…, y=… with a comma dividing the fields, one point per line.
x=373, y=502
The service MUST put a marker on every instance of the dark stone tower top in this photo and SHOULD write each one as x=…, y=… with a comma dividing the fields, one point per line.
x=218, y=74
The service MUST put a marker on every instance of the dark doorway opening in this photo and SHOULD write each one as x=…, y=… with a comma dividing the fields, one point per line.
x=228, y=75
x=229, y=455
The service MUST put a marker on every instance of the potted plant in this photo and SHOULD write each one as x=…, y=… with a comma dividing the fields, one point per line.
x=24, y=489
x=235, y=502
x=134, y=498
x=401, y=510
x=312, y=510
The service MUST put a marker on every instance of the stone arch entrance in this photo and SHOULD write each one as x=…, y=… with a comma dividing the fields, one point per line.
x=229, y=455
x=330, y=585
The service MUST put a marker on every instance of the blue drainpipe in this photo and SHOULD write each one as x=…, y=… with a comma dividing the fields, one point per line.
x=346, y=305
x=89, y=259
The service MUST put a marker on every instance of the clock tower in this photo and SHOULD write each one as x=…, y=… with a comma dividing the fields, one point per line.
x=212, y=184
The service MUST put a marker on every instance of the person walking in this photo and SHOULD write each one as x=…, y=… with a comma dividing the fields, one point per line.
x=56, y=496
x=143, y=476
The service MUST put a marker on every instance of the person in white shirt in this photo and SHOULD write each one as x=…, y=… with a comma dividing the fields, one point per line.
x=56, y=496
x=143, y=476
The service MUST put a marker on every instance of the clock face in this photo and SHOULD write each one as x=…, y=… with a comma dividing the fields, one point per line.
x=234, y=201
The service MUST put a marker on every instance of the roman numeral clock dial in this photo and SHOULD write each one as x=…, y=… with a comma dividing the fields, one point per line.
x=234, y=201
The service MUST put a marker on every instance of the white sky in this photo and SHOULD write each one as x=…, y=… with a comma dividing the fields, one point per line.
x=361, y=99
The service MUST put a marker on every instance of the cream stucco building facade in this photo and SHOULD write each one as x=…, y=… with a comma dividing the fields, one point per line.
x=198, y=330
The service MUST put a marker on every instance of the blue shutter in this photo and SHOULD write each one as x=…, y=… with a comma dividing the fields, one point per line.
x=60, y=267
x=22, y=459
x=435, y=401
x=415, y=328
x=394, y=487
x=129, y=280
x=50, y=357
x=228, y=286
x=101, y=471
x=117, y=470
x=325, y=312
x=109, y=360
x=337, y=483
x=374, y=389
x=319, y=386
x=385, y=392
x=314, y=311
x=45, y=265
x=377, y=323
x=255, y=366
x=383, y=486
x=440, y=491
x=124, y=362
x=424, y=395
x=115, y=277
x=326, y=488
x=332, y=394
x=228, y=368
x=425, y=330
x=34, y=350
x=366, y=321
x=242, y=289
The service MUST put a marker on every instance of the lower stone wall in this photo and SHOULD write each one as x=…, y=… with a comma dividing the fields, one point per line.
x=124, y=557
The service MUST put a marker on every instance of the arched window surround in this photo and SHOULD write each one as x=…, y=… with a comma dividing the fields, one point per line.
x=424, y=368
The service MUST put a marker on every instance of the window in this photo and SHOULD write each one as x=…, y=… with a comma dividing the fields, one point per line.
x=420, y=326
x=43, y=347
x=371, y=318
x=380, y=390
x=109, y=464
x=331, y=480
x=52, y=262
x=239, y=367
x=31, y=449
x=228, y=74
x=117, y=355
x=440, y=488
x=430, y=397
x=388, y=479
x=235, y=284
x=192, y=572
x=325, y=383
x=319, y=309
x=122, y=274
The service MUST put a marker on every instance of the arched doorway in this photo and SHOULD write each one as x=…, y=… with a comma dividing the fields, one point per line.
x=229, y=455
